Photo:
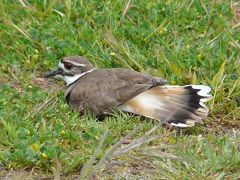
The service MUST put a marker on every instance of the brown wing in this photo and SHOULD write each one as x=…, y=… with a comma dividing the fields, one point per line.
x=103, y=90
x=181, y=106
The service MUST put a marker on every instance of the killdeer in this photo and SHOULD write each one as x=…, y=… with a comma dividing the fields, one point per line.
x=101, y=91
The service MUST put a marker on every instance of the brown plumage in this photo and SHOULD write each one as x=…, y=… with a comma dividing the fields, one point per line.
x=178, y=105
x=105, y=89
x=101, y=91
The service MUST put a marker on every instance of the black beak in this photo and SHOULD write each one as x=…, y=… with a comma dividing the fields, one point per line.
x=54, y=73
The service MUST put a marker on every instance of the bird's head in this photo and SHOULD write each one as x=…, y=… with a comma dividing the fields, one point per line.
x=71, y=68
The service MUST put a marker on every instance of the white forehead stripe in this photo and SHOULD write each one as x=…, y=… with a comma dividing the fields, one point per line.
x=61, y=65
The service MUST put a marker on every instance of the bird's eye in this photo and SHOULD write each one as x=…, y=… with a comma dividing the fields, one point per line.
x=68, y=65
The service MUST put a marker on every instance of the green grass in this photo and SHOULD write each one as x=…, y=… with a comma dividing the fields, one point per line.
x=183, y=41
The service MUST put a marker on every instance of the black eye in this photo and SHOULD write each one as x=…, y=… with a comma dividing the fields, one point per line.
x=68, y=65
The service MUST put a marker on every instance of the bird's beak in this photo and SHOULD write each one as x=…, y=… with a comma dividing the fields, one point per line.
x=54, y=73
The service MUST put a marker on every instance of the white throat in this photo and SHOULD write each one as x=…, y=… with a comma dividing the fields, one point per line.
x=71, y=79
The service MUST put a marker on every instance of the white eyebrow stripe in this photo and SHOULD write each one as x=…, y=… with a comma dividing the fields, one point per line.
x=76, y=64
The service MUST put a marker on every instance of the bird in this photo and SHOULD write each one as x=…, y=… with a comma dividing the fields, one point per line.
x=103, y=91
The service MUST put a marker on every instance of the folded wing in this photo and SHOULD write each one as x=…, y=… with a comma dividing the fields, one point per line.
x=181, y=106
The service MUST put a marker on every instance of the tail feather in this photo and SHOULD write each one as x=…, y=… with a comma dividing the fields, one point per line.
x=181, y=106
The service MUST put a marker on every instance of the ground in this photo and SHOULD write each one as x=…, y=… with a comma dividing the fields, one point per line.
x=184, y=41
